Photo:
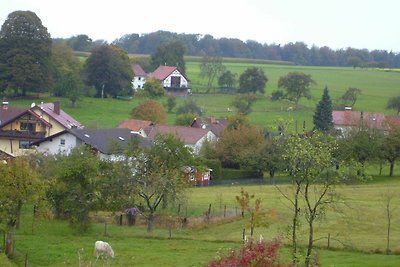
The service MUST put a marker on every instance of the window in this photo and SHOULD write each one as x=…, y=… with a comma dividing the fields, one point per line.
x=62, y=142
x=23, y=144
x=175, y=81
x=27, y=126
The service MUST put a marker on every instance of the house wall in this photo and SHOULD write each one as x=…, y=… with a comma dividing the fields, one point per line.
x=209, y=137
x=138, y=82
x=54, y=145
x=167, y=81
x=56, y=126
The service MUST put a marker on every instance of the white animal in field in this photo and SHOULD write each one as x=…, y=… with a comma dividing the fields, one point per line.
x=101, y=247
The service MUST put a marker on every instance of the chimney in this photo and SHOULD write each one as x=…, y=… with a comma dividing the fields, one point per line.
x=4, y=104
x=56, y=108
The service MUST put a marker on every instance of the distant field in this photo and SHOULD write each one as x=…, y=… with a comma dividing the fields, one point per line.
x=376, y=85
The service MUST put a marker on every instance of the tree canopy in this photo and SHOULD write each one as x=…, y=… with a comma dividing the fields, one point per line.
x=170, y=54
x=394, y=103
x=109, y=70
x=150, y=110
x=25, y=51
x=252, y=80
x=297, y=85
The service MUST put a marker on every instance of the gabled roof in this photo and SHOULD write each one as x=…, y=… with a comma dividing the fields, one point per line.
x=138, y=71
x=10, y=114
x=188, y=135
x=394, y=121
x=134, y=125
x=105, y=140
x=212, y=123
x=162, y=72
x=60, y=116
x=373, y=120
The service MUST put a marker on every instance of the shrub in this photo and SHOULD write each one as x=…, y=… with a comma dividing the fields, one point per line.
x=277, y=95
x=252, y=253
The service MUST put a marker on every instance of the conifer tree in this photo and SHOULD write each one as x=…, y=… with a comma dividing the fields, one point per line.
x=323, y=114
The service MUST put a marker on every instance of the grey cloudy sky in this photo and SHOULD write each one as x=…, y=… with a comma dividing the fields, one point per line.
x=338, y=24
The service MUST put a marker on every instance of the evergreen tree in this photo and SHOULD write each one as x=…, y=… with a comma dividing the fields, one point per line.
x=323, y=114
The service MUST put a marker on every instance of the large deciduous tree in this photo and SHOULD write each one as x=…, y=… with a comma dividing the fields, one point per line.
x=108, y=69
x=25, y=51
x=150, y=110
x=210, y=67
x=170, y=54
x=252, y=80
x=297, y=85
x=66, y=70
x=227, y=79
x=323, y=114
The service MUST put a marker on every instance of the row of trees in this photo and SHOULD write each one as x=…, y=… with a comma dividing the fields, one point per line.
x=298, y=52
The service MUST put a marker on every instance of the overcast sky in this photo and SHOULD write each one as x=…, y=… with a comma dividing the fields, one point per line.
x=370, y=24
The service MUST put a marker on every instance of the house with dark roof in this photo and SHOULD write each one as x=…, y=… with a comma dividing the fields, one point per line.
x=346, y=120
x=192, y=138
x=108, y=143
x=19, y=127
x=135, y=125
x=139, y=77
x=212, y=123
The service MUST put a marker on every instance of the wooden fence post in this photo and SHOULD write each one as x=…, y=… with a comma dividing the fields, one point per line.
x=329, y=240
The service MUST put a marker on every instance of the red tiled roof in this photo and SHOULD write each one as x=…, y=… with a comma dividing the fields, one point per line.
x=9, y=113
x=138, y=71
x=393, y=120
x=134, y=125
x=162, y=72
x=188, y=135
x=375, y=120
x=63, y=118
x=212, y=123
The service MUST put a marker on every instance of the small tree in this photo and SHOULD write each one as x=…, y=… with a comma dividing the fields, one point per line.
x=150, y=110
x=323, y=114
x=153, y=88
x=189, y=106
x=18, y=185
x=394, y=103
x=253, y=80
x=210, y=67
x=297, y=85
x=171, y=103
x=185, y=119
x=349, y=98
x=227, y=79
x=156, y=173
x=390, y=147
x=244, y=102
x=243, y=200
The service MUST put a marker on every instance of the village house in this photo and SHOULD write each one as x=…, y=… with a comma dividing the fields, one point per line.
x=139, y=77
x=171, y=78
x=347, y=120
x=213, y=124
x=19, y=127
x=108, y=143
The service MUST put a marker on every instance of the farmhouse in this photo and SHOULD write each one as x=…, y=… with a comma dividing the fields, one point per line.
x=19, y=127
x=171, y=78
x=139, y=77
x=108, y=143
x=346, y=120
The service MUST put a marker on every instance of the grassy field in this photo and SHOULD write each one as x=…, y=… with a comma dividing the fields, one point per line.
x=357, y=227
x=376, y=85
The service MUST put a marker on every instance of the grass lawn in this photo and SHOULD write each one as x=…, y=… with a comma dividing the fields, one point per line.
x=356, y=224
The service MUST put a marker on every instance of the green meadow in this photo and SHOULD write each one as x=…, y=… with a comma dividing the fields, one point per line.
x=356, y=225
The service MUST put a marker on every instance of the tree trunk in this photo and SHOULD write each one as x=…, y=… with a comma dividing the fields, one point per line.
x=391, y=168
x=388, y=236
x=150, y=222
x=9, y=243
x=310, y=241
x=294, y=226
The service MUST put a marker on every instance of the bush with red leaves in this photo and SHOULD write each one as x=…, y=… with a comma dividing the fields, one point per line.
x=252, y=253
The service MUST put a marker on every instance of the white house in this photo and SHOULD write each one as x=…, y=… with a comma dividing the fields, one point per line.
x=108, y=143
x=139, y=77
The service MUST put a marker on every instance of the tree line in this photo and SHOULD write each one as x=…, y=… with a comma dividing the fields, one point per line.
x=299, y=53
